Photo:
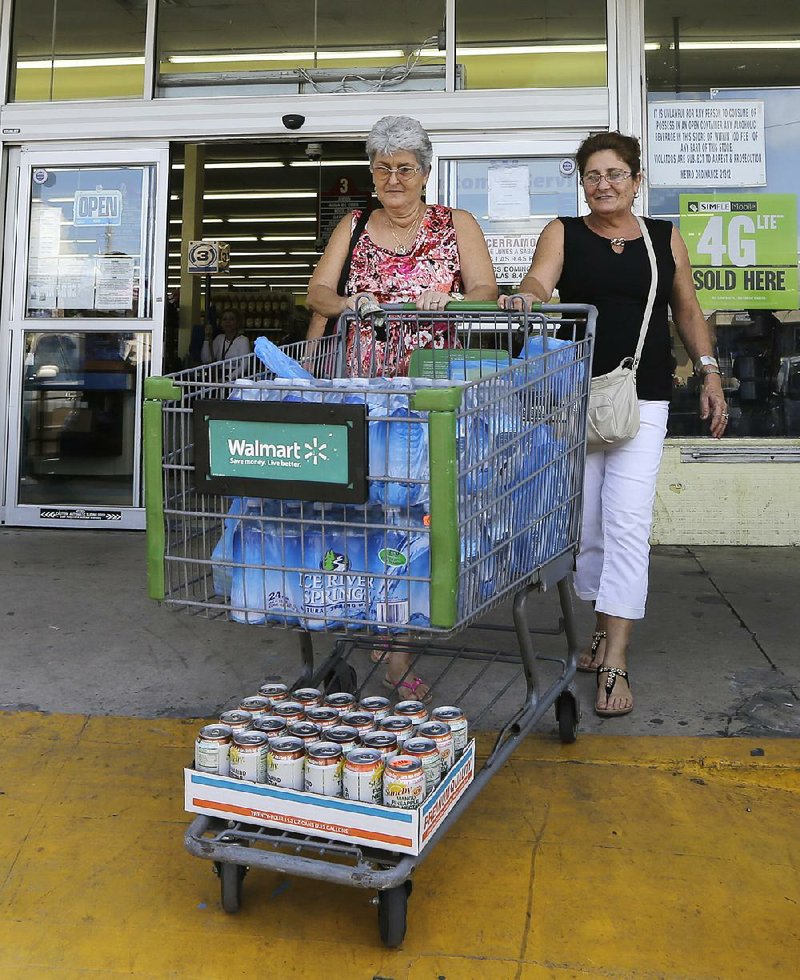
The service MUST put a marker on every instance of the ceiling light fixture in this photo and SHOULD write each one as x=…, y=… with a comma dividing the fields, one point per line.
x=259, y=195
x=329, y=163
x=305, y=219
x=238, y=165
x=80, y=62
x=287, y=238
x=218, y=59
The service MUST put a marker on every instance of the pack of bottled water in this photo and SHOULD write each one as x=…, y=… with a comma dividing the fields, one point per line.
x=330, y=566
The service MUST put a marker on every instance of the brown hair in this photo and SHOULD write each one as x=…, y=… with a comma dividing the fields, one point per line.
x=626, y=147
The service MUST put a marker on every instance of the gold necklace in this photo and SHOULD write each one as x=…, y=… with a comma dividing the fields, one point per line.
x=402, y=246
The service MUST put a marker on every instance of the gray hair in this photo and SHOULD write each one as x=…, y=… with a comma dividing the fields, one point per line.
x=393, y=133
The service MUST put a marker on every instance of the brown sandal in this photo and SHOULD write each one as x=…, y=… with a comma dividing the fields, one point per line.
x=597, y=637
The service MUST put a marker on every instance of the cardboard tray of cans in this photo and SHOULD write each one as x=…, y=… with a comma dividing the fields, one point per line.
x=383, y=827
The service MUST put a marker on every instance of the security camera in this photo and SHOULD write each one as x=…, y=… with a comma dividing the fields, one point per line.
x=293, y=120
x=314, y=151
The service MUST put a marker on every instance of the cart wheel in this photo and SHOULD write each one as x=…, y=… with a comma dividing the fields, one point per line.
x=231, y=877
x=392, y=909
x=341, y=679
x=567, y=717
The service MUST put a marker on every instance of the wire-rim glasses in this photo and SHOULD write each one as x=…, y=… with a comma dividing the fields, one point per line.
x=382, y=172
x=593, y=177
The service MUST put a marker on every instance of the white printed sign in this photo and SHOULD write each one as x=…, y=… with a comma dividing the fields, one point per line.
x=509, y=192
x=511, y=256
x=706, y=144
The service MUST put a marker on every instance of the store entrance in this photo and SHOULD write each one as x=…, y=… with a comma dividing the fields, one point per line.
x=275, y=205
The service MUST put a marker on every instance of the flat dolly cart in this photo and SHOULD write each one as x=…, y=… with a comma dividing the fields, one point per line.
x=464, y=475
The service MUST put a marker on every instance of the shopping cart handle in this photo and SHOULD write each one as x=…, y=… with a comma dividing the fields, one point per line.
x=459, y=306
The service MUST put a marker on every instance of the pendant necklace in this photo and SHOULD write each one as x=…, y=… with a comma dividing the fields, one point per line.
x=402, y=246
x=618, y=243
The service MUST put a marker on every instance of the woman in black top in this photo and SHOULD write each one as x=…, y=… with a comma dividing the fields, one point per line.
x=601, y=259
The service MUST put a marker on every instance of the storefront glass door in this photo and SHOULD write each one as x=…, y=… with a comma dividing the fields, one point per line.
x=84, y=312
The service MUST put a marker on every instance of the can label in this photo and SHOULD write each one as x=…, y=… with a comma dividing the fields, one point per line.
x=249, y=757
x=404, y=783
x=212, y=750
x=362, y=776
x=439, y=732
x=426, y=751
x=454, y=717
x=324, y=776
x=236, y=719
x=285, y=757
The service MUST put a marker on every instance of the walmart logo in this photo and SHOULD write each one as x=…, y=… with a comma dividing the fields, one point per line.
x=316, y=451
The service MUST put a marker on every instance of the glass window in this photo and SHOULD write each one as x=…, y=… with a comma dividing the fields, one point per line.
x=79, y=400
x=701, y=58
x=308, y=46
x=512, y=200
x=90, y=242
x=549, y=44
x=77, y=49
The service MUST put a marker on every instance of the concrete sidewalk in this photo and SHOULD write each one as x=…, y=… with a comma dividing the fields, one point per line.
x=718, y=653
x=622, y=857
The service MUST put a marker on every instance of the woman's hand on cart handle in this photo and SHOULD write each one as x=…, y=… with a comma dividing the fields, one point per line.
x=713, y=405
x=519, y=301
x=432, y=299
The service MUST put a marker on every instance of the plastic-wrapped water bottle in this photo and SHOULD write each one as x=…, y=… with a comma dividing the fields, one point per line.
x=398, y=450
x=265, y=580
x=222, y=553
x=477, y=581
x=334, y=580
x=400, y=570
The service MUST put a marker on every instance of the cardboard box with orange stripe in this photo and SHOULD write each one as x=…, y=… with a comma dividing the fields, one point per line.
x=383, y=827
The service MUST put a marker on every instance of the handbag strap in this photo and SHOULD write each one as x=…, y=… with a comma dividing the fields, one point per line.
x=651, y=296
x=358, y=231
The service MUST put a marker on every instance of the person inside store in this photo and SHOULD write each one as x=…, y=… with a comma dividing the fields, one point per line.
x=601, y=259
x=231, y=342
x=405, y=251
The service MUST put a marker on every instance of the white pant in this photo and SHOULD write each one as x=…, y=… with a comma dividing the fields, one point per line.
x=619, y=489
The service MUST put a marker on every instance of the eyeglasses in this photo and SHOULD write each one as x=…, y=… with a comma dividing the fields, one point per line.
x=593, y=178
x=403, y=173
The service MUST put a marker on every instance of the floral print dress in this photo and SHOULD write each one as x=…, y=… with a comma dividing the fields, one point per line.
x=432, y=262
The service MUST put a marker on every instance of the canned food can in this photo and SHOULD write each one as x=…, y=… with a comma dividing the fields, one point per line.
x=404, y=782
x=236, y=719
x=212, y=749
x=256, y=705
x=344, y=735
x=457, y=720
x=324, y=764
x=440, y=732
x=415, y=710
x=286, y=762
x=426, y=750
x=384, y=742
x=290, y=711
x=362, y=776
x=324, y=717
x=362, y=721
x=270, y=724
x=305, y=730
x=275, y=692
x=249, y=756
x=309, y=697
x=376, y=706
x=341, y=701
x=402, y=728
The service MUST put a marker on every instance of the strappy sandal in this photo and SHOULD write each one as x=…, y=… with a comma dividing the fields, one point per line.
x=408, y=688
x=597, y=638
x=611, y=680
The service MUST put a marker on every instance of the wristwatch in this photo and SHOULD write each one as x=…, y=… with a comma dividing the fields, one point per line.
x=706, y=365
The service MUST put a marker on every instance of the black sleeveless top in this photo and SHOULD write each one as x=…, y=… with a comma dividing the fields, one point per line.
x=618, y=285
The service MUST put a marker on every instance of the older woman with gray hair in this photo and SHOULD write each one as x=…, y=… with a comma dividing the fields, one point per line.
x=406, y=251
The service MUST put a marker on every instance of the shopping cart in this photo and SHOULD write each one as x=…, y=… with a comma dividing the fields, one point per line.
x=464, y=476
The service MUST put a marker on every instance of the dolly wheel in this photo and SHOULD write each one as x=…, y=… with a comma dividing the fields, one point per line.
x=231, y=877
x=567, y=717
x=392, y=914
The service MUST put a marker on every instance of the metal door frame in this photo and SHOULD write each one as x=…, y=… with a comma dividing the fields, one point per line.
x=13, y=323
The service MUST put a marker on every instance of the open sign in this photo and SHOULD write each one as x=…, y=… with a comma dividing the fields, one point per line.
x=98, y=208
